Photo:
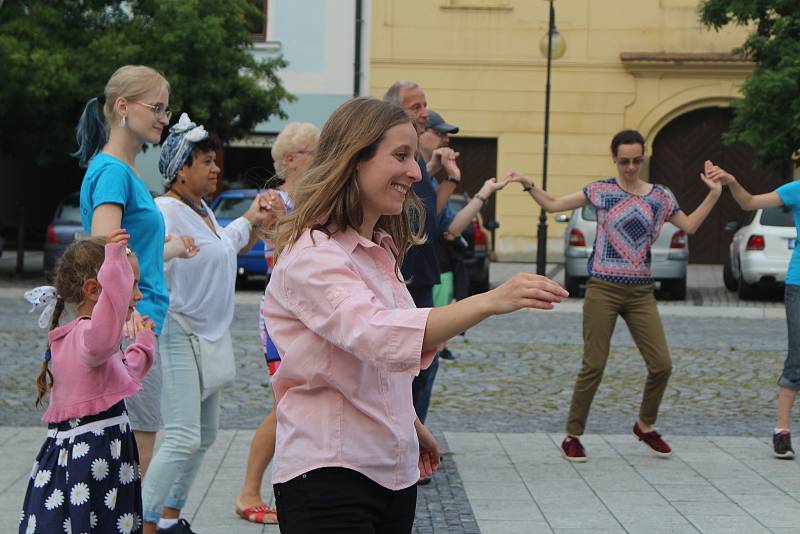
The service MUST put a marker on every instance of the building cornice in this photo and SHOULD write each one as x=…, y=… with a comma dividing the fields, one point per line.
x=685, y=62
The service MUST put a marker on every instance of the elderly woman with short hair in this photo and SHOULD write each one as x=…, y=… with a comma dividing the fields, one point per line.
x=292, y=153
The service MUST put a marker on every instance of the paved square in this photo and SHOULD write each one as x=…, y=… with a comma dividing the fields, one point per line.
x=520, y=484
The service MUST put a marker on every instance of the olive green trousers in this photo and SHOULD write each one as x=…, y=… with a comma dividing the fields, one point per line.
x=636, y=304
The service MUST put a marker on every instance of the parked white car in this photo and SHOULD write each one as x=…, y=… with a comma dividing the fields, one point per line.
x=760, y=251
x=669, y=256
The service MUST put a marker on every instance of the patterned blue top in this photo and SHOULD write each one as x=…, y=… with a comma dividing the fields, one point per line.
x=627, y=227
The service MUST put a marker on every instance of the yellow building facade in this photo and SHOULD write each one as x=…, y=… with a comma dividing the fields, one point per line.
x=636, y=64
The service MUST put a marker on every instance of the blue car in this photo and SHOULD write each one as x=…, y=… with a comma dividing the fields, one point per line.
x=231, y=205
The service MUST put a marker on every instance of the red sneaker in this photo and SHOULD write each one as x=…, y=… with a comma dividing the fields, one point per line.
x=573, y=450
x=653, y=441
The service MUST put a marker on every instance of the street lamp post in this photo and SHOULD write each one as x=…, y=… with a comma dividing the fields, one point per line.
x=552, y=47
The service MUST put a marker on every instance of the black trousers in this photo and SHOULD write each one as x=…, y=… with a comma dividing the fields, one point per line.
x=339, y=500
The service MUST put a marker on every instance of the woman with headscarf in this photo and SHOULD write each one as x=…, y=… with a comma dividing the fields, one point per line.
x=201, y=310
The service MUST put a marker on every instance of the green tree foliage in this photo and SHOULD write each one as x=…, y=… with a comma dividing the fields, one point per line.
x=56, y=54
x=768, y=117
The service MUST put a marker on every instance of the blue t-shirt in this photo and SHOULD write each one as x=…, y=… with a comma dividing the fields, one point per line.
x=421, y=264
x=790, y=196
x=111, y=181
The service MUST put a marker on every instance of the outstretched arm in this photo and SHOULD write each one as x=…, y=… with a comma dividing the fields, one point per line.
x=690, y=223
x=463, y=217
x=546, y=200
x=447, y=156
x=742, y=197
x=524, y=290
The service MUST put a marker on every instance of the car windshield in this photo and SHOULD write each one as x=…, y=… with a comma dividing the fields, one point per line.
x=777, y=217
x=589, y=213
x=232, y=207
x=70, y=210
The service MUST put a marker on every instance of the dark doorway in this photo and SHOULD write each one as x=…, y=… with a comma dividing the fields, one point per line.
x=478, y=163
x=679, y=152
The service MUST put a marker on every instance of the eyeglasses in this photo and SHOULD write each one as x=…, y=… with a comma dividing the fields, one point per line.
x=627, y=161
x=157, y=109
x=309, y=152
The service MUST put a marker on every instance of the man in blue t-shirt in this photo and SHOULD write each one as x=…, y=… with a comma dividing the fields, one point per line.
x=421, y=266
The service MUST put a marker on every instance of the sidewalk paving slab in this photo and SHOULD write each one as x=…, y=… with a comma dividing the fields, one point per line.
x=520, y=484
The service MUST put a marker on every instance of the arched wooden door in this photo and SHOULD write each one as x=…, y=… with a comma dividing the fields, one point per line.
x=679, y=151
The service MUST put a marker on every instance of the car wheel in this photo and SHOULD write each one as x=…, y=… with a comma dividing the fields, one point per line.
x=727, y=275
x=746, y=291
x=675, y=288
x=573, y=285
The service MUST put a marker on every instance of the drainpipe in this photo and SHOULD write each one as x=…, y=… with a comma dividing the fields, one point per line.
x=357, y=58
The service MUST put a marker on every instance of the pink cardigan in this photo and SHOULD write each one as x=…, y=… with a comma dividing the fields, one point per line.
x=90, y=372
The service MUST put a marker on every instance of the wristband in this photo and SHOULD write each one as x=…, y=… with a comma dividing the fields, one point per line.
x=527, y=188
x=451, y=179
x=481, y=198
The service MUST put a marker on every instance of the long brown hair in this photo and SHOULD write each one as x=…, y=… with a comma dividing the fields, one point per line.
x=80, y=261
x=327, y=197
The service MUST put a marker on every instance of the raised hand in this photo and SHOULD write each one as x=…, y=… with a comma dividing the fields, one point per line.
x=265, y=207
x=525, y=290
x=718, y=174
x=514, y=176
x=143, y=323
x=118, y=237
x=131, y=326
x=491, y=186
x=448, y=158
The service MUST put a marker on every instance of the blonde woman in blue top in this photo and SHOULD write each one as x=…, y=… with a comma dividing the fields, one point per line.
x=787, y=195
x=131, y=111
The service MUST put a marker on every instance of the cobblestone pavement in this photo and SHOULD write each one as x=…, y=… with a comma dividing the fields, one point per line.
x=512, y=373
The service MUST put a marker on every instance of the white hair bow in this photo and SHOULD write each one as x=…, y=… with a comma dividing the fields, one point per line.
x=194, y=133
x=43, y=297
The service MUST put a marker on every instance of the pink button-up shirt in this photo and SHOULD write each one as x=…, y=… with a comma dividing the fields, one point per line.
x=351, y=342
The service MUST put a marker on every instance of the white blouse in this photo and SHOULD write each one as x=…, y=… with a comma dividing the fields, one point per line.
x=202, y=288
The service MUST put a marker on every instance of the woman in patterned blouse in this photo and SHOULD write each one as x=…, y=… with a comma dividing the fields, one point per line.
x=630, y=214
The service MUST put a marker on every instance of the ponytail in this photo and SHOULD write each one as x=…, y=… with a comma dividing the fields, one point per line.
x=44, y=381
x=91, y=132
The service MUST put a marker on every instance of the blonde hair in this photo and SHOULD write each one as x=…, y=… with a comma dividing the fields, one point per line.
x=129, y=82
x=328, y=199
x=295, y=136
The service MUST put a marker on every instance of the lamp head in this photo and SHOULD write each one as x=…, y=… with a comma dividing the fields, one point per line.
x=559, y=45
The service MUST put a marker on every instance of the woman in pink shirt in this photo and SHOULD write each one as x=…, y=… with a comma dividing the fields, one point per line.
x=350, y=448
x=86, y=475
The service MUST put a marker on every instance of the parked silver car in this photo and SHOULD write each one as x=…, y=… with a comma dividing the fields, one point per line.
x=760, y=252
x=669, y=255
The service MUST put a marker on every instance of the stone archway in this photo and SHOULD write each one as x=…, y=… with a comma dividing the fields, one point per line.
x=679, y=151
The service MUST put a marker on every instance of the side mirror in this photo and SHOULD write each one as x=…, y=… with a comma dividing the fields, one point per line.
x=731, y=226
x=562, y=218
x=491, y=225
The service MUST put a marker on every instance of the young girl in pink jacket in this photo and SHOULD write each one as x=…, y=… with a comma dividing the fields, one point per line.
x=86, y=475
